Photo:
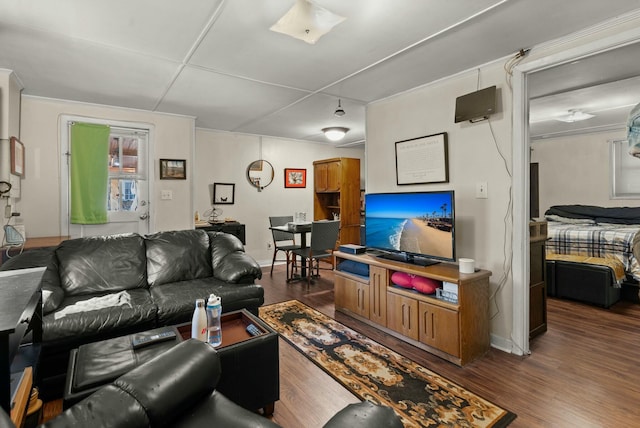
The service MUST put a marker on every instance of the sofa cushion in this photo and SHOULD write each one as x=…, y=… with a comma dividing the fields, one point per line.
x=176, y=301
x=100, y=264
x=106, y=321
x=177, y=256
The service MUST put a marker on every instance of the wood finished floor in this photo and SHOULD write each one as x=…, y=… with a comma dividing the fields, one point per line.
x=583, y=372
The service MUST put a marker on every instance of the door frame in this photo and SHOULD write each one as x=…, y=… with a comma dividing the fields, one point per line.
x=64, y=175
x=520, y=157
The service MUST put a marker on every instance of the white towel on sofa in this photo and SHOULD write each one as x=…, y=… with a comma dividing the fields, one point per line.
x=95, y=303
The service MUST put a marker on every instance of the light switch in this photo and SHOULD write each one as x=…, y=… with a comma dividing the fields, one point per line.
x=481, y=190
x=166, y=195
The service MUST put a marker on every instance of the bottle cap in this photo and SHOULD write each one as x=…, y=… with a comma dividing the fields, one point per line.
x=199, y=302
x=213, y=298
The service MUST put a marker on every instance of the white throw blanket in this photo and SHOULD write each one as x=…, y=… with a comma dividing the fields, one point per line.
x=95, y=303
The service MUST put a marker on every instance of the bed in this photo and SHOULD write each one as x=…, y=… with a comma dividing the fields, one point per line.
x=592, y=251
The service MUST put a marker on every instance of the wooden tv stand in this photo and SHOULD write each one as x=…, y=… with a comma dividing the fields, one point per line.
x=457, y=332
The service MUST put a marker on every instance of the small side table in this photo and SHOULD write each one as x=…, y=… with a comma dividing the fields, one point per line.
x=20, y=312
x=232, y=227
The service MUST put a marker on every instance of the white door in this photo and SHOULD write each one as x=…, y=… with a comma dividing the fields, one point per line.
x=128, y=186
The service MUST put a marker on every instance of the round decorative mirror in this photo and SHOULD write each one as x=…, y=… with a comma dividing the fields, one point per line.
x=260, y=173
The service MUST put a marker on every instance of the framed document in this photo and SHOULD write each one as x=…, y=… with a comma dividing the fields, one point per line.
x=422, y=160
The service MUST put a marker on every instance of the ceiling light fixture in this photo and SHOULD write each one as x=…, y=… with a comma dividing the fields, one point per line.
x=339, y=111
x=307, y=21
x=335, y=133
x=575, y=116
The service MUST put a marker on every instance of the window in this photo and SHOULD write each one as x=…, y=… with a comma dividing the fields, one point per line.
x=125, y=169
x=625, y=171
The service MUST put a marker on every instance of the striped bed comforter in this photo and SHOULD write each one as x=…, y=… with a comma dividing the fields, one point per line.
x=619, y=241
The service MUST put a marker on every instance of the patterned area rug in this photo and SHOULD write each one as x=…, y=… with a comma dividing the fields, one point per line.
x=375, y=373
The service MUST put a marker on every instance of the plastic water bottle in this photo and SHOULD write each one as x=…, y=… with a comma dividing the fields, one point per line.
x=199, y=321
x=214, y=310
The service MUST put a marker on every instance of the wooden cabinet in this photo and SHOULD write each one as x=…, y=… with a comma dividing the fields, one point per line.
x=537, y=278
x=402, y=315
x=328, y=175
x=337, y=193
x=378, y=294
x=457, y=332
x=353, y=294
x=439, y=328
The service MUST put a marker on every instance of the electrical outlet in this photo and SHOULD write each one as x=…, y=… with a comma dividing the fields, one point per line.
x=7, y=211
x=481, y=190
x=166, y=195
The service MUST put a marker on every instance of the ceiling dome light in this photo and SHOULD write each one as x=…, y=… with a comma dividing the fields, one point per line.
x=339, y=111
x=575, y=116
x=307, y=21
x=335, y=133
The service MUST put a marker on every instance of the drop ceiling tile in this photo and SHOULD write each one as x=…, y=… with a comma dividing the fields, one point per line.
x=499, y=33
x=224, y=102
x=78, y=70
x=372, y=31
x=164, y=28
x=305, y=120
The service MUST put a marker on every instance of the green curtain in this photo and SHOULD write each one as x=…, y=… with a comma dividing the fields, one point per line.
x=89, y=173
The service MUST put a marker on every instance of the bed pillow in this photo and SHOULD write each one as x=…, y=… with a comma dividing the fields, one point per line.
x=560, y=219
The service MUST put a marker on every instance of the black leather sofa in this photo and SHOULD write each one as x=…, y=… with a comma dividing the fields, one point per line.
x=177, y=389
x=96, y=288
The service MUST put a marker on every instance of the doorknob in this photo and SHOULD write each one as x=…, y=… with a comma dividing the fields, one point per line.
x=144, y=216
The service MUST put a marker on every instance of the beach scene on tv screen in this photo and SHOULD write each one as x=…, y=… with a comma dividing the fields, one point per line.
x=419, y=223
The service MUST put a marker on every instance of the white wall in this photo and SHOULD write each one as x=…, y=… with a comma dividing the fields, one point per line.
x=223, y=158
x=219, y=157
x=482, y=225
x=40, y=133
x=576, y=170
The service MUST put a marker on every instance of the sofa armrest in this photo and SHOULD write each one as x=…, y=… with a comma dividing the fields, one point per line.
x=237, y=268
x=170, y=384
x=229, y=261
x=109, y=406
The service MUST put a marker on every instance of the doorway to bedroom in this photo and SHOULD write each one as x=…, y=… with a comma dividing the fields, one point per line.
x=574, y=155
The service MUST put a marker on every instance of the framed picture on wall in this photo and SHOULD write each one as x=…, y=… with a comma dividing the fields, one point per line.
x=17, y=157
x=224, y=193
x=422, y=160
x=173, y=169
x=295, y=177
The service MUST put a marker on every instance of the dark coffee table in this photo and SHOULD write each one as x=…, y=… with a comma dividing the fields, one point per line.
x=250, y=364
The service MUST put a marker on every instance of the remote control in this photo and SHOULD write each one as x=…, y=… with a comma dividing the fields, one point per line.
x=253, y=330
x=141, y=342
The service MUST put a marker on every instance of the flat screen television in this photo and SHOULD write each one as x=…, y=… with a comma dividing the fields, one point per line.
x=415, y=227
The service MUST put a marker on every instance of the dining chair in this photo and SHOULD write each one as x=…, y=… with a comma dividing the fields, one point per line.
x=324, y=235
x=282, y=241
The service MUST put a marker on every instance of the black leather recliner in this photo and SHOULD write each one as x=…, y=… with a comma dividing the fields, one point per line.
x=177, y=389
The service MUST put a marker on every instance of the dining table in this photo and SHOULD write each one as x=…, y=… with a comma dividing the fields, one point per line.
x=297, y=228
